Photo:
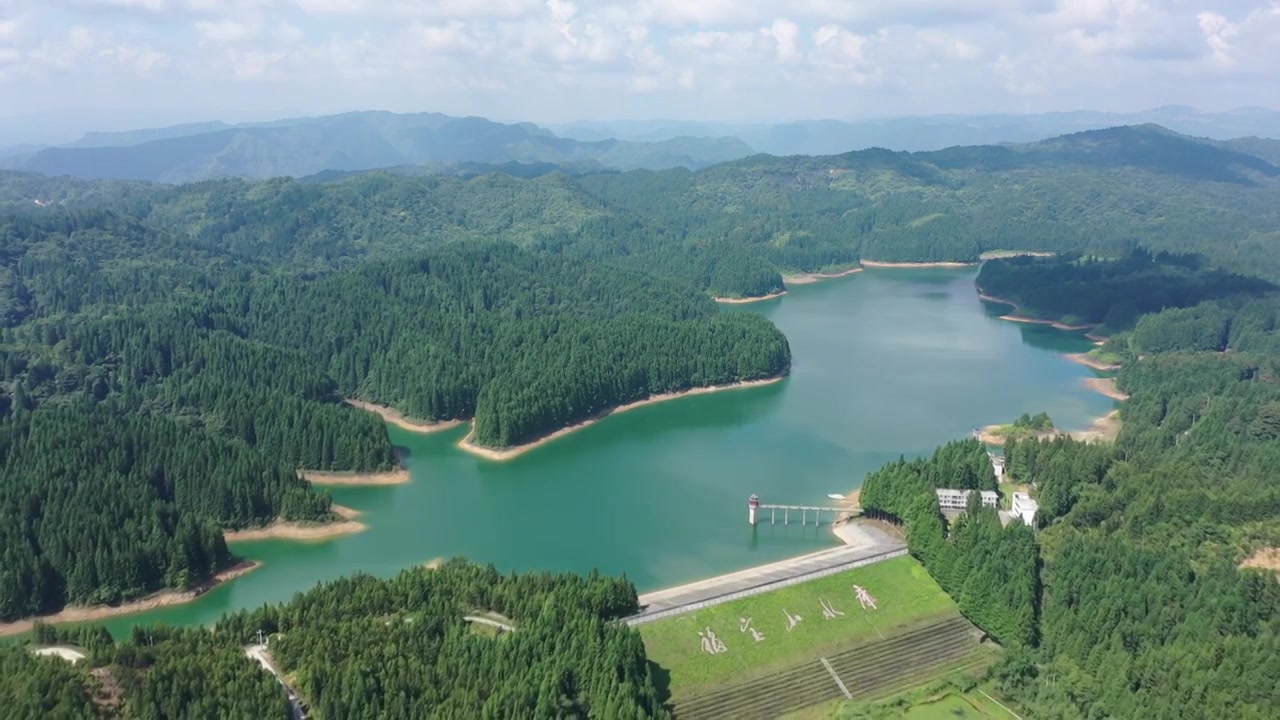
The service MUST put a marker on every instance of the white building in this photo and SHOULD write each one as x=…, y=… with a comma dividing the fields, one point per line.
x=1025, y=508
x=959, y=499
x=997, y=465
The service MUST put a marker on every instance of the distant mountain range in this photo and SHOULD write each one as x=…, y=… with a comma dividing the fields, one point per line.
x=329, y=147
x=351, y=142
x=832, y=137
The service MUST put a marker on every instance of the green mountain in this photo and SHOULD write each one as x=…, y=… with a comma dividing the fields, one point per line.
x=934, y=132
x=354, y=141
x=127, y=138
x=138, y=307
x=1100, y=191
x=171, y=355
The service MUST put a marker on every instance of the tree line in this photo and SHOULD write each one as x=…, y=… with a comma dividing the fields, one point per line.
x=150, y=421
x=364, y=647
x=1132, y=601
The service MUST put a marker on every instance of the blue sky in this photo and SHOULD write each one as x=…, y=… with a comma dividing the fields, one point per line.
x=127, y=62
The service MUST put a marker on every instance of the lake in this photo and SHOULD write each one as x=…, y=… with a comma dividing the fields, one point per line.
x=887, y=362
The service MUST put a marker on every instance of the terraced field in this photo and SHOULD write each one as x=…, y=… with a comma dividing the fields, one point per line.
x=867, y=670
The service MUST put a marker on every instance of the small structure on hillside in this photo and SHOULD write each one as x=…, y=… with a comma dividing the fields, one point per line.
x=949, y=499
x=1025, y=508
x=997, y=465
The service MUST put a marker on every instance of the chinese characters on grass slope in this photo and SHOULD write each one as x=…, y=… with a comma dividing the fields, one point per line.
x=713, y=645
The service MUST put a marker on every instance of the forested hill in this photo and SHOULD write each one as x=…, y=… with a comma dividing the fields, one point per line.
x=524, y=343
x=354, y=141
x=732, y=228
x=366, y=648
x=225, y=320
x=1109, y=294
x=1102, y=192
x=1150, y=590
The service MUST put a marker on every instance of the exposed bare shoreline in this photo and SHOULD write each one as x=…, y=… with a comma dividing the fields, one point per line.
x=395, y=417
x=1015, y=317
x=284, y=530
x=1106, y=386
x=808, y=278
x=518, y=450
x=990, y=436
x=1089, y=362
x=374, y=479
x=1006, y=254
x=949, y=264
x=741, y=301
x=161, y=599
x=1106, y=427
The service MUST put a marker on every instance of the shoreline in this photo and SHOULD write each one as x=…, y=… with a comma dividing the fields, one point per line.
x=163, y=598
x=1105, y=428
x=853, y=542
x=743, y=301
x=810, y=278
x=988, y=436
x=942, y=264
x=1006, y=254
x=345, y=478
x=1085, y=360
x=1051, y=323
x=302, y=531
x=501, y=455
x=1105, y=386
x=1015, y=317
x=395, y=417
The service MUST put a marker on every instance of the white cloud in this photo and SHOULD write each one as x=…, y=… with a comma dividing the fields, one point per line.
x=142, y=60
x=329, y=7
x=946, y=45
x=448, y=38
x=1217, y=34
x=255, y=64
x=555, y=58
x=227, y=32
x=786, y=35
x=680, y=13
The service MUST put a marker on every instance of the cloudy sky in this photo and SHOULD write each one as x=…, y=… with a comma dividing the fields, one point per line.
x=128, y=61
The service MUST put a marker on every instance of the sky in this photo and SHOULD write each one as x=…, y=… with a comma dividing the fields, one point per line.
x=108, y=64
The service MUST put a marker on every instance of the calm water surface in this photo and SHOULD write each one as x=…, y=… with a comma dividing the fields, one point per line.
x=886, y=363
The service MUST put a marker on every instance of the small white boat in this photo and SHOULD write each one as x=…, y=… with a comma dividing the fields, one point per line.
x=835, y=496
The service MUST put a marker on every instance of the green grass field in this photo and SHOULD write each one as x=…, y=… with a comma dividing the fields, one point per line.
x=905, y=596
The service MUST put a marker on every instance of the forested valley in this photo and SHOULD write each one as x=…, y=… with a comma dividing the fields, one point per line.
x=171, y=356
x=362, y=647
x=1139, y=597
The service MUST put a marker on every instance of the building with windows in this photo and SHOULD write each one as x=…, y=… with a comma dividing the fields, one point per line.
x=1025, y=508
x=959, y=499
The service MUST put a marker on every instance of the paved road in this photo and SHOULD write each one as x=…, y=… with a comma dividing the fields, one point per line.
x=871, y=545
x=259, y=653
